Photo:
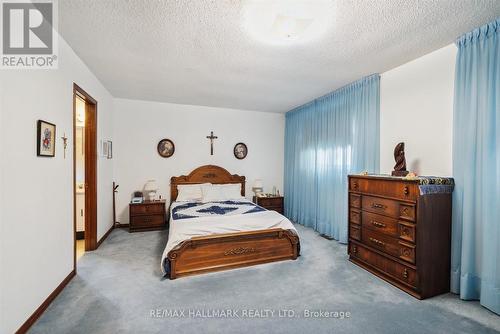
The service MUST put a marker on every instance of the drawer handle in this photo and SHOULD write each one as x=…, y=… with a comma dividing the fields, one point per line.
x=377, y=224
x=405, y=273
x=379, y=206
x=354, y=249
x=406, y=190
x=378, y=242
x=355, y=185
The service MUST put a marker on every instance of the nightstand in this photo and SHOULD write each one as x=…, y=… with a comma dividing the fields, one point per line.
x=275, y=203
x=147, y=216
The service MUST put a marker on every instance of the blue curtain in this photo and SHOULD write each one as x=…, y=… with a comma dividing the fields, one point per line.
x=325, y=140
x=476, y=168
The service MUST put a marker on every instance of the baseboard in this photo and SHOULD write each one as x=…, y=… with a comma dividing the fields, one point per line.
x=39, y=311
x=105, y=236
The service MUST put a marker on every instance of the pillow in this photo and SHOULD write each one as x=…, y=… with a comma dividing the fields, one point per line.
x=221, y=192
x=190, y=192
x=212, y=194
x=231, y=191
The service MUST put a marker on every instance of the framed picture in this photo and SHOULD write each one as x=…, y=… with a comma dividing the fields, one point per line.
x=46, y=139
x=240, y=151
x=110, y=149
x=104, y=148
x=166, y=148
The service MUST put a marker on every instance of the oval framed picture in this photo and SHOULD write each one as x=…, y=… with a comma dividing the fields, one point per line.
x=166, y=148
x=240, y=151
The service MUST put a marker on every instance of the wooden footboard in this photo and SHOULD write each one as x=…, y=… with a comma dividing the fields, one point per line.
x=233, y=250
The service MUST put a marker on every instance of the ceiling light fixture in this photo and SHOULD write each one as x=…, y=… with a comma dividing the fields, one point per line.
x=287, y=21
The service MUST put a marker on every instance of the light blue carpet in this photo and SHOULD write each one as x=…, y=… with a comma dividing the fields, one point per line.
x=119, y=285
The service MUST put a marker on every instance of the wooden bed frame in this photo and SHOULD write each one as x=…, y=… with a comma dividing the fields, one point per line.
x=226, y=251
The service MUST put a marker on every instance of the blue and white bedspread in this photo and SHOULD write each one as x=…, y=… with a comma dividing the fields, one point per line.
x=192, y=219
x=185, y=210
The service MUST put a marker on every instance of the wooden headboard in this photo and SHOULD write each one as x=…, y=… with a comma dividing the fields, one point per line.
x=206, y=174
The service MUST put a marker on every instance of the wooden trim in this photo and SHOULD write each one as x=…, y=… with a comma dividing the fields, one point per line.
x=91, y=176
x=39, y=311
x=90, y=168
x=105, y=235
x=74, y=179
x=389, y=279
x=83, y=94
x=232, y=250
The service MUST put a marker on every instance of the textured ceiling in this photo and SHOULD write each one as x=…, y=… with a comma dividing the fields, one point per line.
x=198, y=52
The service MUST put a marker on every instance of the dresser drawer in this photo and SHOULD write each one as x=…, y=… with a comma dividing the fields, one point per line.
x=355, y=232
x=147, y=221
x=270, y=202
x=396, y=270
x=397, y=188
x=381, y=206
x=381, y=224
x=278, y=209
x=355, y=200
x=389, y=207
x=389, y=245
x=355, y=216
x=407, y=211
x=150, y=208
x=407, y=231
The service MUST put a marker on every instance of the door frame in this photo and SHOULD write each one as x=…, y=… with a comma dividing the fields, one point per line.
x=90, y=169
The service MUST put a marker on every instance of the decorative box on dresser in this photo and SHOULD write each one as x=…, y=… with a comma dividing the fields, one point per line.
x=275, y=203
x=400, y=230
x=147, y=216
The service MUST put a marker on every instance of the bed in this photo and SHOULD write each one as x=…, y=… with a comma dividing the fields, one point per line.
x=227, y=235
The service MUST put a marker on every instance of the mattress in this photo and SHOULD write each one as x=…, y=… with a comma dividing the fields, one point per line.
x=194, y=219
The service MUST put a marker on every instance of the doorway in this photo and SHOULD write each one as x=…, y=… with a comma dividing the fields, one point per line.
x=84, y=172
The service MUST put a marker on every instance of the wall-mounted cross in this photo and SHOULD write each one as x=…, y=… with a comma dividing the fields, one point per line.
x=65, y=143
x=212, y=137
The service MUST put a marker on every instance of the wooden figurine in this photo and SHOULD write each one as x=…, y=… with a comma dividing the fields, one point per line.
x=399, y=156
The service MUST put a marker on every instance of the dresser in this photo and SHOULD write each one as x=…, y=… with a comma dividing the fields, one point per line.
x=400, y=230
x=275, y=203
x=147, y=216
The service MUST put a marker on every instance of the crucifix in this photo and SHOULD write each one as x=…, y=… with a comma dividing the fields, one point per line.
x=212, y=137
x=65, y=143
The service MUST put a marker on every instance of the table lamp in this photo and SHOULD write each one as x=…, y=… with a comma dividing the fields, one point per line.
x=151, y=188
x=257, y=187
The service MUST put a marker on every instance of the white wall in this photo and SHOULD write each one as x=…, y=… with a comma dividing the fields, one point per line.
x=139, y=126
x=37, y=207
x=416, y=106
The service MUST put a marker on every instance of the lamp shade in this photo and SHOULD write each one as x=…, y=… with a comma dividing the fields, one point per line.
x=151, y=186
x=258, y=183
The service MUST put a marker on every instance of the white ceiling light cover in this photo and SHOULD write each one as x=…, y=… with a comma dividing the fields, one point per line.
x=287, y=21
